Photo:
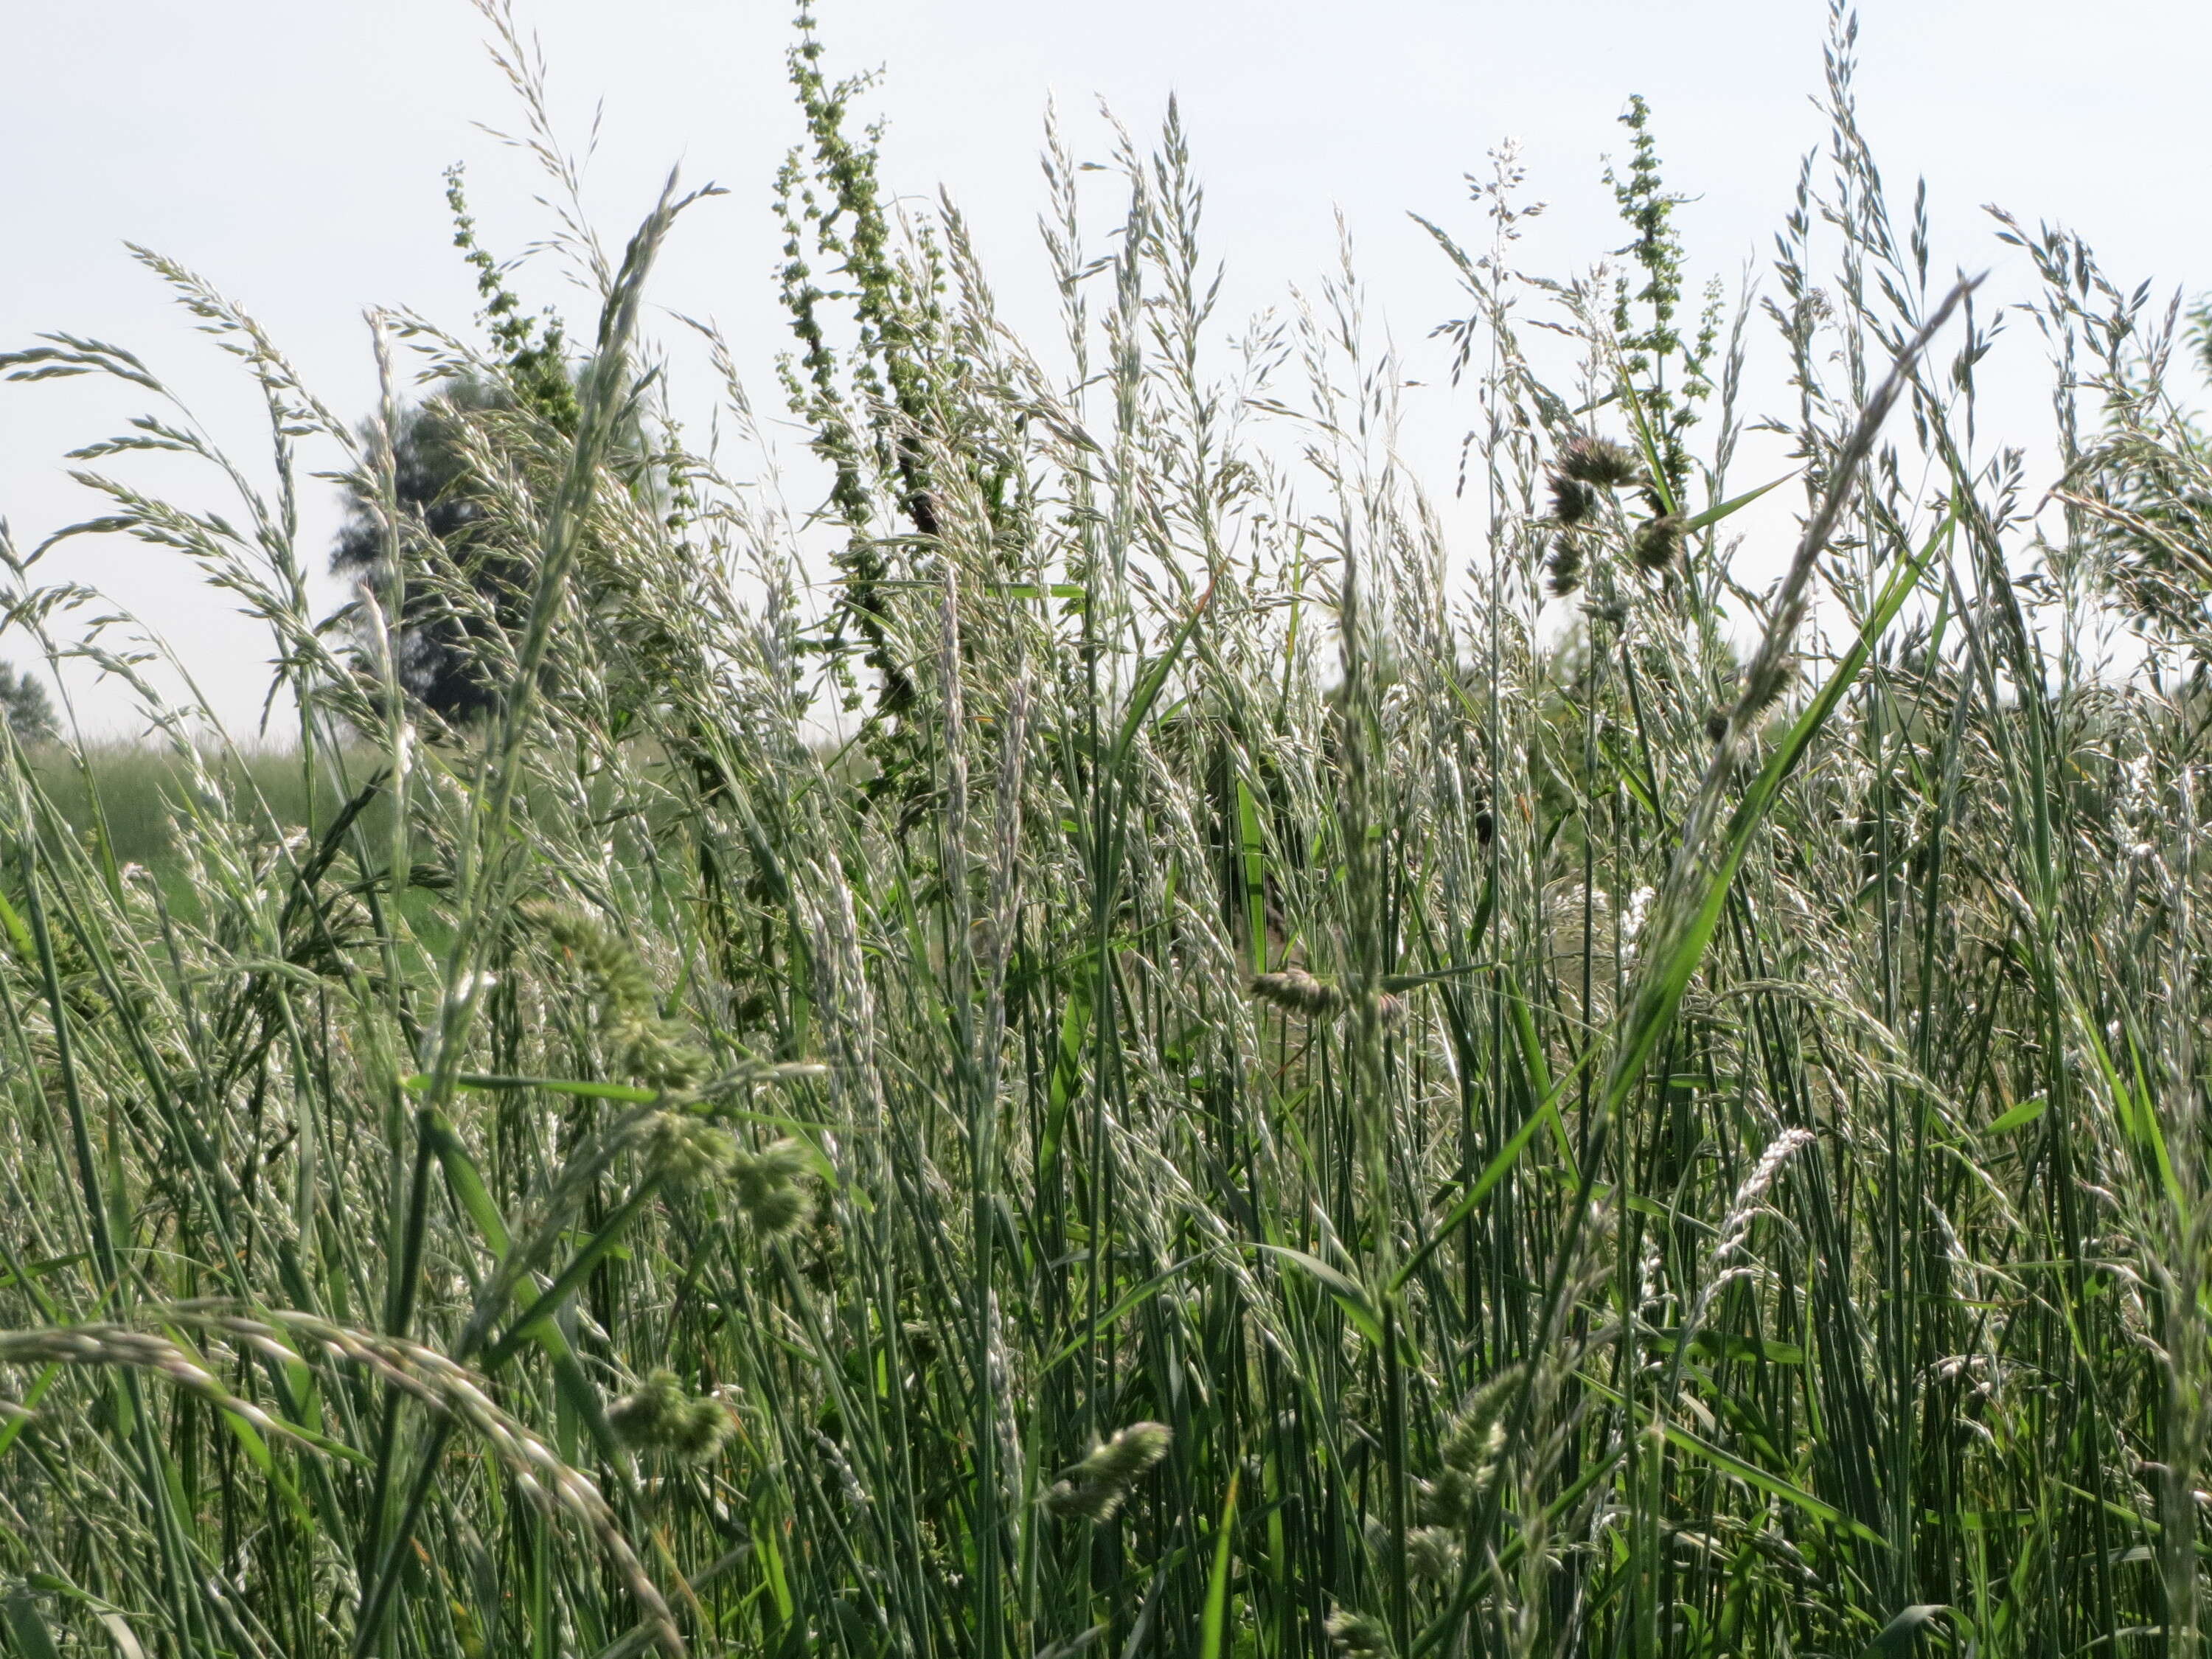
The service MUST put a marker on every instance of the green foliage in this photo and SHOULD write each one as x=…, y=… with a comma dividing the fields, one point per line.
x=1649, y=341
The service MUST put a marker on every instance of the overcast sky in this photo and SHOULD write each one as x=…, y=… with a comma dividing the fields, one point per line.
x=291, y=151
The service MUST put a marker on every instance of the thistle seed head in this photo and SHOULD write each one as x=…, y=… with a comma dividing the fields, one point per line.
x=1565, y=565
x=1657, y=542
x=1573, y=502
x=1599, y=461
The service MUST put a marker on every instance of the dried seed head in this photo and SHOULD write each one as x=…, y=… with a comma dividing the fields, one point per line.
x=1657, y=542
x=1599, y=461
x=1296, y=989
x=1573, y=502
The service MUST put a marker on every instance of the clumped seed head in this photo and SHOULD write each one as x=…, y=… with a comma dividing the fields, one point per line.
x=661, y=1415
x=768, y=1190
x=1358, y=1635
x=1445, y=1501
x=687, y=1150
x=1599, y=461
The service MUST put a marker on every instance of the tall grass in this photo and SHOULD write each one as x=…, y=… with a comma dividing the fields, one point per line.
x=1271, y=1100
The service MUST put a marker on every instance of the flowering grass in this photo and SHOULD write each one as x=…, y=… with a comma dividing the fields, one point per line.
x=1298, y=1086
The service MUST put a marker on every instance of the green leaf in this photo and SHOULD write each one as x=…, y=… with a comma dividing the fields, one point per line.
x=27, y=1626
x=1659, y=991
x=1714, y=515
x=1213, y=1623
x=1750, y=1473
x=1897, y=1635
x=467, y=1184
x=1351, y=1295
x=1500, y=1165
x=2019, y=1116
x=1153, y=680
x=1136, y=1298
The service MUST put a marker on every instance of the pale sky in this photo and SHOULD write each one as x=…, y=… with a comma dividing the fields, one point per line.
x=290, y=150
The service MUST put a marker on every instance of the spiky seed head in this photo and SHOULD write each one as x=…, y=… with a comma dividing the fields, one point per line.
x=778, y=1211
x=1599, y=461
x=1445, y=1501
x=687, y=1150
x=1657, y=542
x=781, y=1160
x=1762, y=691
x=1573, y=502
x=1094, y=1489
x=1358, y=1635
x=1129, y=1453
x=1476, y=1437
x=699, y=1430
x=1084, y=1500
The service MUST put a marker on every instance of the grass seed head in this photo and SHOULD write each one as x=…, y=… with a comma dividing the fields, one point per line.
x=768, y=1190
x=1358, y=1635
x=1095, y=1488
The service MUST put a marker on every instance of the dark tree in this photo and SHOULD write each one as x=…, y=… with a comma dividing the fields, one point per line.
x=441, y=634
x=440, y=641
x=26, y=707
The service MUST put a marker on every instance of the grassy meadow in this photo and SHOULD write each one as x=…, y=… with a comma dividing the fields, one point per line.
x=1293, y=1084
